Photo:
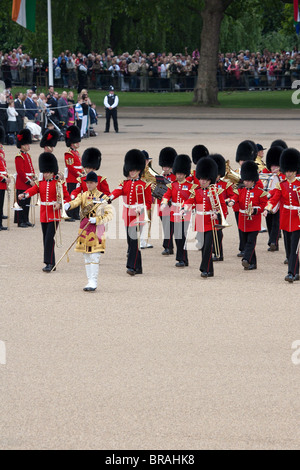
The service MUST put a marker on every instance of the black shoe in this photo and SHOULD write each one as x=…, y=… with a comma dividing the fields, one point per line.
x=116, y=132
x=252, y=266
x=273, y=247
x=296, y=277
x=180, y=264
x=186, y=263
x=218, y=259
x=289, y=278
x=89, y=289
x=23, y=225
x=245, y=263
x=240, y=254
x=138, y=271
x=77, y=217
x=130, y=271
x=205, y=274
x=3, y=228
x=70, y=220
x=29, y=224
x=48, y=268
x=286, y=261
x=106, y=132
x=4, y=217
x=167, y=252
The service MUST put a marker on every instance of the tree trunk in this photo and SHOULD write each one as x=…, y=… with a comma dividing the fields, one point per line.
x=206, y=91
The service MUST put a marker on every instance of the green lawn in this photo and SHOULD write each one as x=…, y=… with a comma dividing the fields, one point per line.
x=236, y=99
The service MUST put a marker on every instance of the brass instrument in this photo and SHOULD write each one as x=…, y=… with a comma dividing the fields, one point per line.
x=146, y=220
x=248, y=211
x=217, y=209
x=149, y=176
x=231, y=176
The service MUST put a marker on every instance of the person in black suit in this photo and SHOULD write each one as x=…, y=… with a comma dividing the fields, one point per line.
x=19, y=106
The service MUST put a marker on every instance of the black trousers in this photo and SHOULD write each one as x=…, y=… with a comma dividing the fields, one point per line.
x=241, y=245
x=180, y=231
x=74, y=213
x=249, y=241
x=291, y=243
x=134, y=259
x=272, y=221
x=2, y=195
x=21, y=217
x=49, y=230
x=168, y=231
x=111, y=113
x=207, y=249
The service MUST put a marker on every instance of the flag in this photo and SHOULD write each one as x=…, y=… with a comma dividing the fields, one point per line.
x=296, y=16
x=23, y=12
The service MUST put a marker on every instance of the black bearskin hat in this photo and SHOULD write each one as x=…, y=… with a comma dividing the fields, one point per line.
x=49, y=138
x=199, y=151
x=91, y=158
x=48, y=163
x=134, y=160
x=2, y=135
x=72, y=135
x=182, y=164
x=273, y=156
x=290, y=160
x=24, y=138
x=207, y=169
x=220, y=161
x=249, y=171
x=91, y=176
x=167, y=156
x=254, y=147
x=279, y=142
x=246, y=151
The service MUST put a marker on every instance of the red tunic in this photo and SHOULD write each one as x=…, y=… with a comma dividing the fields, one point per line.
x=258, y=198
x=288, y=194
x=82, y=187
x=3, y=170
x=227, y=193
x=48, y=194
x=193, y=179
x=24, y=169
x=201, y=200
x=178, y=193
x=73, y=165
x=132, y=200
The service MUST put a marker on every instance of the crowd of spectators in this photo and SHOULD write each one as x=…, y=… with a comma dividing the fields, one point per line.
x=140, y=71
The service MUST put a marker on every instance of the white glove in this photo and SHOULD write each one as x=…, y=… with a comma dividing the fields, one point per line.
x=66, y=206
x=72, y=197
x=92, y=220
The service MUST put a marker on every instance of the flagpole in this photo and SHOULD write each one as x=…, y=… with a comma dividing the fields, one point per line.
x=50, y=52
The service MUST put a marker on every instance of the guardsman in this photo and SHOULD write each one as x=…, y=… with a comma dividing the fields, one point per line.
x=252, y=200
x=178, y=192
x=52, y=194
x=166, y=159
x=94, y=216
x=137, y=199
x=73, y=169
x=91, y=161
x=25, y=176
x=226, y=189
x=208, y=204
x=287, y=193
x=4, y=178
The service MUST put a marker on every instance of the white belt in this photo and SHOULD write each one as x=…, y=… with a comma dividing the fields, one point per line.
x=204, y=212
x=29, y=174
x=52, y=203
x=176, y=204
x=292, y=208
x=132, y=206
x=3, y=173
x=78, y=167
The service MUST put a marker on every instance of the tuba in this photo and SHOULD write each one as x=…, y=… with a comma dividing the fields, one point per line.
x=231, y=176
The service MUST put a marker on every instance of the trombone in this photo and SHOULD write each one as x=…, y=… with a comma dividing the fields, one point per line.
x=64, y=215
x=139, y=191
x=217, y=209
